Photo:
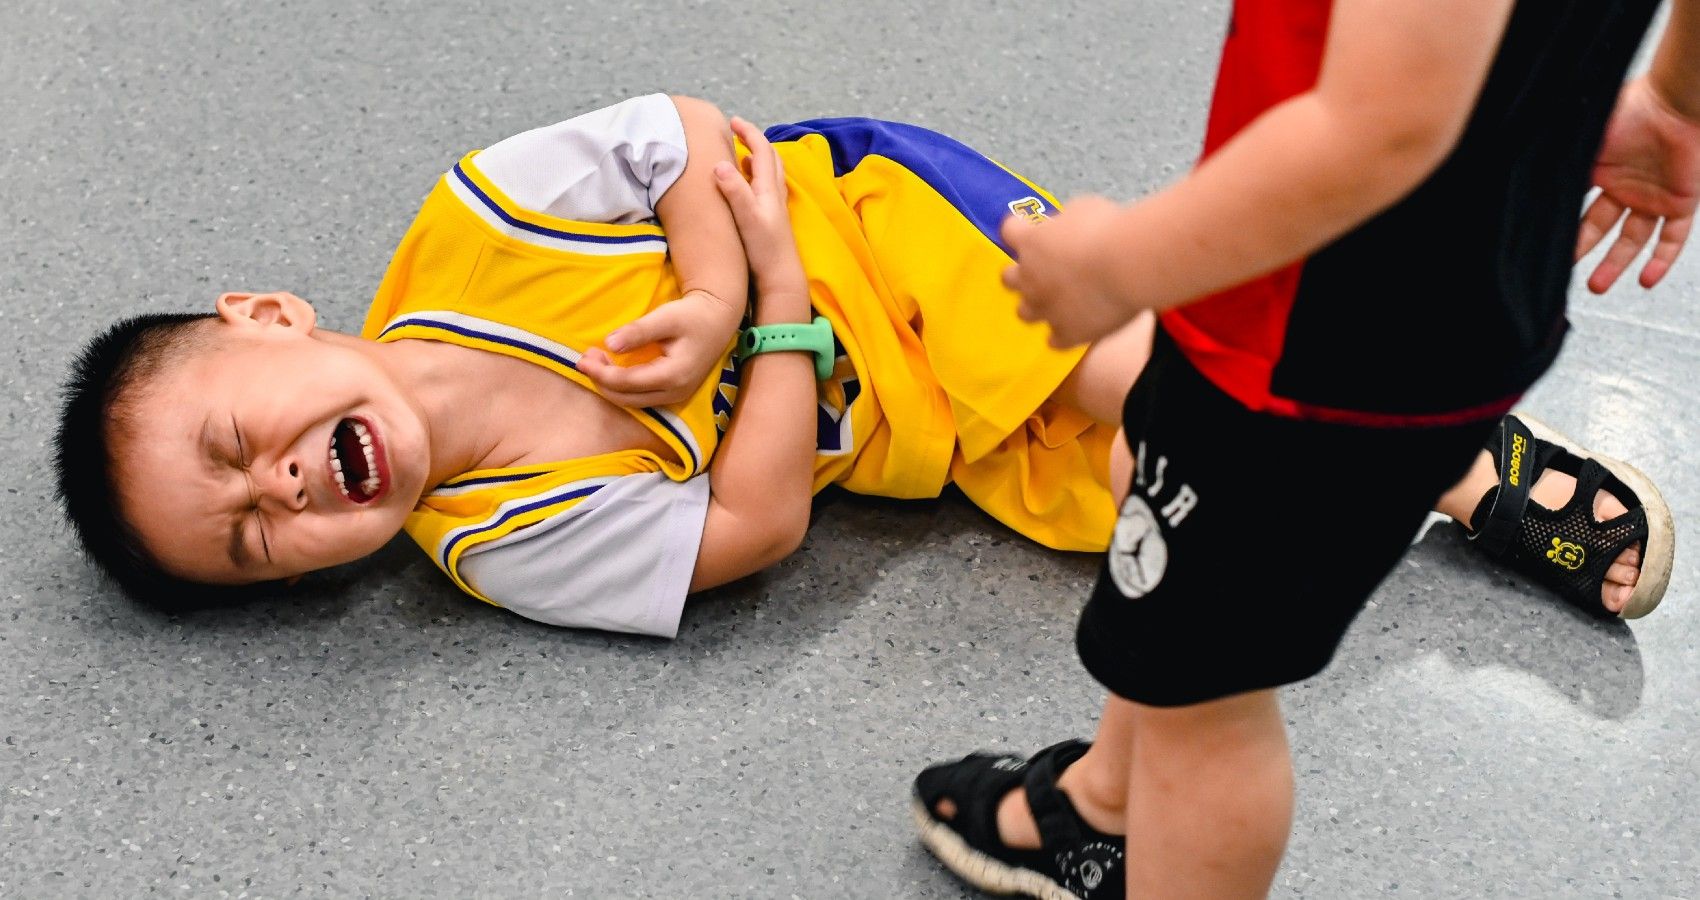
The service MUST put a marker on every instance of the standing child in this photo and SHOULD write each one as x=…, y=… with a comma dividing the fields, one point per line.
x=1384, y=181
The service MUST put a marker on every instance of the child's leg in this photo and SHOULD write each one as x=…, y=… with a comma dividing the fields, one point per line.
x=1204, y=794
x=1211, y=593
x=1102, y=379
x=1210, y=798
x=1553, y=490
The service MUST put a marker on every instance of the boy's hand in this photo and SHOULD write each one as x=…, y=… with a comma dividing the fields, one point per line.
x=696, y=330
x=758, y=206
x=1648, y=169
x=693, y=333
x=1061, y=272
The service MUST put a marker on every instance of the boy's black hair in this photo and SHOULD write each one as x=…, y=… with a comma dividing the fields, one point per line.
x=102, y=380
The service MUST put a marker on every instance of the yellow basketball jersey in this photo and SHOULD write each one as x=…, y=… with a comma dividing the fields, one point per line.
x=936, y=377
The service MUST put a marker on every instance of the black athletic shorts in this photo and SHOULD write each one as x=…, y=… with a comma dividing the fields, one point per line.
x=1248, y=542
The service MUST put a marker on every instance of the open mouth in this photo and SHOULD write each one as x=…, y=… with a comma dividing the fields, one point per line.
x=354, y=461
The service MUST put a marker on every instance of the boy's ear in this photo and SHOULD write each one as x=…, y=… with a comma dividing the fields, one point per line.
x=278, y=308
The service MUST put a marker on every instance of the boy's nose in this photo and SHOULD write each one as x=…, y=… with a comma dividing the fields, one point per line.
x=286, y=486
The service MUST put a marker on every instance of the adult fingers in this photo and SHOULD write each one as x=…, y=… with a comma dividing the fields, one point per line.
x=1673, y=234
x=1637, y=230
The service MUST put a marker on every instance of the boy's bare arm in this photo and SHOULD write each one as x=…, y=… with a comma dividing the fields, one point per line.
x=1398, y=81
x=708, y=259
x=702, y=239
x=1676, y=65
x=1648, y=170
x=762, y=478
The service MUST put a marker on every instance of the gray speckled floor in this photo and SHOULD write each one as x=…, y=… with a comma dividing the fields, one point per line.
x=388, y=738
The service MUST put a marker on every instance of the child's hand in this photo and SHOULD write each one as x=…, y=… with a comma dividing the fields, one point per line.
x=692, y=332
x=1061, y=272
x=758, y=206
x=1648, y=169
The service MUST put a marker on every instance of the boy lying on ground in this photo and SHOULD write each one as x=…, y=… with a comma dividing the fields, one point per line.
x=548, y=370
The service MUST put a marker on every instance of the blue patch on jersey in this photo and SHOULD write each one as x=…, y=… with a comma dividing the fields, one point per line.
x=979, y=189
x=830, y=436
x=726, y=394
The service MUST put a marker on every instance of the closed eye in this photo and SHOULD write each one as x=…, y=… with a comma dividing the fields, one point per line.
x=253, y=499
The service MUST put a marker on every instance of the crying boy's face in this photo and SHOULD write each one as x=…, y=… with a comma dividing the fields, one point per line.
x=268, y=450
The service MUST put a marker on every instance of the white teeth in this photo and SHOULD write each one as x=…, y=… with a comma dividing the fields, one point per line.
x=371, y=483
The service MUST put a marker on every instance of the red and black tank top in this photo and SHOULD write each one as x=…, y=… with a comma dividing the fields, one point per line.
x=1445, y=307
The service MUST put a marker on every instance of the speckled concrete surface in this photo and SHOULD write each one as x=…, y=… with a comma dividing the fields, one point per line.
x=387, y=738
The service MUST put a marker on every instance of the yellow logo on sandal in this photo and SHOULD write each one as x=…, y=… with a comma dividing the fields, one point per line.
x=1518, y=445
x=1566, y=554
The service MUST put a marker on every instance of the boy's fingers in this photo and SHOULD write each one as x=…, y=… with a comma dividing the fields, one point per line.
x=1672, y=236
x=641, y=385
x=733, y=187
x=761, y=155
x=1014, y=232
x=1597, y=222
x=748, y=132
x=1012, y=278
x=594, y=365
x=1637, y=230
x=653, y=326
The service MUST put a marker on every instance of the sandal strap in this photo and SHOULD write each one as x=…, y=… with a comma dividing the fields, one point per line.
x=1569, y=550
x=977, y=791
x=1513, y=448
x=1058, y=822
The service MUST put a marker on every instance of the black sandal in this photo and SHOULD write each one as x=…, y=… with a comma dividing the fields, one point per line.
x=1567, y=549
x=1074, y=861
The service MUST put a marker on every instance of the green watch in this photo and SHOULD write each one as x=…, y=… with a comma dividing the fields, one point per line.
x=815, y=337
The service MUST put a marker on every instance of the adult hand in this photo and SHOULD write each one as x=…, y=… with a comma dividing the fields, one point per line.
x=693, y=333
x=1648, y=170
x=1062, y=271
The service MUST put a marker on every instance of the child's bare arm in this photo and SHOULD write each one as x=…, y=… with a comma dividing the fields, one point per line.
x=1676, y=67
x=1398, y=81
x=1648, y=169
x=761, y=480
x=702, y=240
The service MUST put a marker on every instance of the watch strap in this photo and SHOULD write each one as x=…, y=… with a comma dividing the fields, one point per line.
x=814, y=337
